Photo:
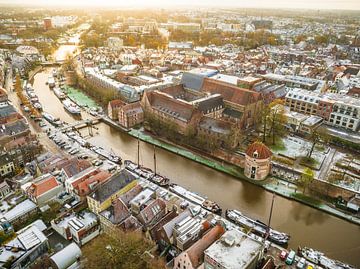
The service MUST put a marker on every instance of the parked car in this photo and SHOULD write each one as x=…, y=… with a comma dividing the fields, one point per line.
x=301, y=263
x=74, y=151
x=290, y=258
x=283, y=255
x=310, y=266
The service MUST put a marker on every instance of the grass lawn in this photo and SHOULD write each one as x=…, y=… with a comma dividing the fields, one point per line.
x=306, y=199
x=308, y=161
x=278, y=146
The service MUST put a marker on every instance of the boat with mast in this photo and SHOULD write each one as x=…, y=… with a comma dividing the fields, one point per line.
x=257, y=226
x=145, y=172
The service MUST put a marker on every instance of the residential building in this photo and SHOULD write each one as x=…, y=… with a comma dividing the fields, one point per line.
x=127, y=92
x=118, y=184
x=337, y=110
x=81, y=227
x=152, y=213
x=4, y=190
x=309, y=84
x=142, y=200
x=44, y=189
x=194, y=256
x=188, y=231
x=7, y=166
x=164, y=234
x=21, y=212
x=73, y=167
x=85, y=182
x=30, y=244
x=257, y=161
x=234, y=250
x=114, y=216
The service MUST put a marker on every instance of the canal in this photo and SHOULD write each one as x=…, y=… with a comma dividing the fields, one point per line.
x=335, y=237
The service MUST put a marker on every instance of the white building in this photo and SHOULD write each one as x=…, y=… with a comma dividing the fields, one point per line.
x=29, y=244
x=234, y=250
x=67, y=258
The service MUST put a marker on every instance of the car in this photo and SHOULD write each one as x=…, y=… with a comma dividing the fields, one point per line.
x=74, y=151
x=99, y=162
x=67, y=147
x=310, y=266
x=301, y=263
x=42, y=124
x=283, y=254
x=290, y=258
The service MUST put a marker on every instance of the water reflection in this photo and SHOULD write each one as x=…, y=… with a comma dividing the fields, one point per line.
x=307, y=226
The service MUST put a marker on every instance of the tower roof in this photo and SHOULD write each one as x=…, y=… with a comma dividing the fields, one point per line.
x=263, y=152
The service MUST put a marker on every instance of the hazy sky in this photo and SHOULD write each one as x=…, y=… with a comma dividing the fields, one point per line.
x=313, y=4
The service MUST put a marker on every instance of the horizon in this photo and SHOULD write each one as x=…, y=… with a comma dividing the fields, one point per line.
x=346, y=5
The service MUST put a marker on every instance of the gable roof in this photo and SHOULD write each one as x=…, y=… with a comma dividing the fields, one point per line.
x=113, y=185
x=75, y=166
x=196, y=251
x=39, y=188
x=230, y=93
x=174, y=108
x=152, y=210
x=193, y=81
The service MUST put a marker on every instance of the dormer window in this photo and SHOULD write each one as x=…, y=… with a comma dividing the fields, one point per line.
x=255, y=154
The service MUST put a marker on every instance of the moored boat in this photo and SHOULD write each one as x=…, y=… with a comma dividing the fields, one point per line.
x=51, y=82
x=71, y=107
x=111, y=157
x=257, y=227
x=195, y=198
x=51, y=119
x=59, y=93
x=319, y=258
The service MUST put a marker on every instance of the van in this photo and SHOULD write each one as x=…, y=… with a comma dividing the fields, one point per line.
x=290, y=258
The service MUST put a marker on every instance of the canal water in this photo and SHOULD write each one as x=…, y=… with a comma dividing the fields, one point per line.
x=335, y=237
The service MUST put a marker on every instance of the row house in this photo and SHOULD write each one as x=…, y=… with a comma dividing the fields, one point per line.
x=103, y=196
x=85, y=182
x=44, y=189
x=194, y=256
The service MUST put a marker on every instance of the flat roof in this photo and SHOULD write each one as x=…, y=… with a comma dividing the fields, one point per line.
x=234, y=250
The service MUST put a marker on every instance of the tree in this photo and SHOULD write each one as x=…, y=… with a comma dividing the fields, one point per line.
x=317, y=137
x=119, y=250
x=306, y=178
x=277, y=119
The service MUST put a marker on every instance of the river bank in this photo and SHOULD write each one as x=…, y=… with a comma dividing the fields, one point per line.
x=283, y=188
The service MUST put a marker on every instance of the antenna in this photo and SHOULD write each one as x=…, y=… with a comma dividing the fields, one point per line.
x=138, y=151
x=271, y=210
x=155, y=159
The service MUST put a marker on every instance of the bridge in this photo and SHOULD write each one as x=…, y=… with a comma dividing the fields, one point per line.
x=49, y=64
x=88, y=123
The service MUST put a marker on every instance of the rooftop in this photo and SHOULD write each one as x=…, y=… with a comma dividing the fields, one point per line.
x=234, y=250
x=113, y=185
